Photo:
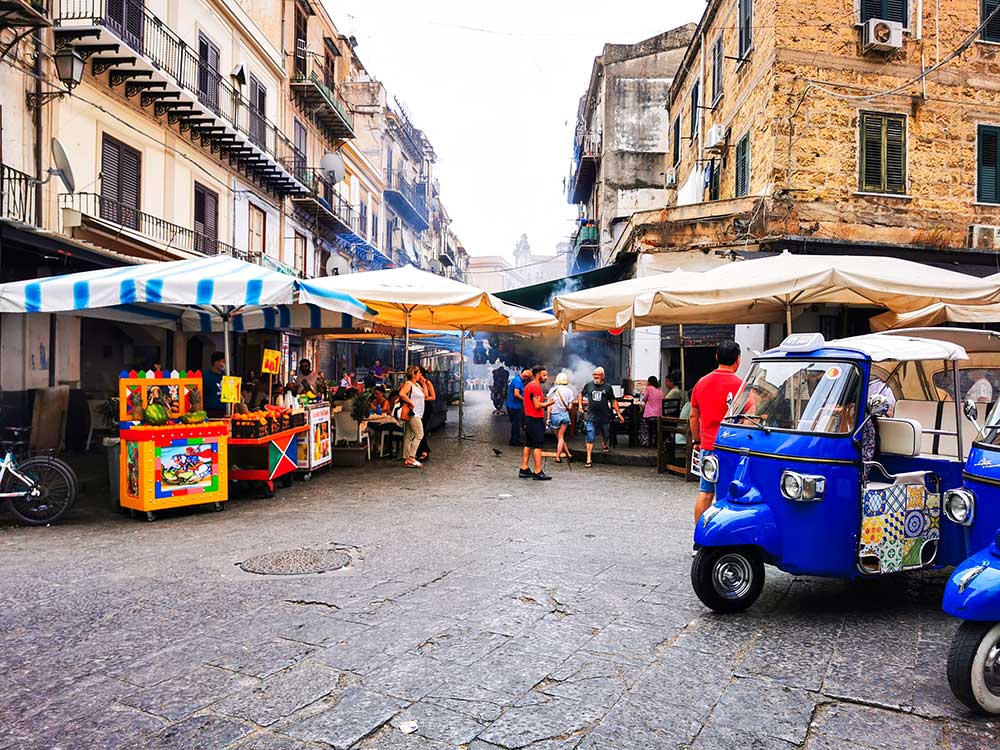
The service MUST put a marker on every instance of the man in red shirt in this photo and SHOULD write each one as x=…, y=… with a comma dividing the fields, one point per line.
x=710, y=401
x=534, y=425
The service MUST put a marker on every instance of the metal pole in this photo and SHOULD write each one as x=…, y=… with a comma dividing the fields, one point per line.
x=680, y=335
x=461, y=387
x=958, y=410
x=225, y=351
x=406, y=345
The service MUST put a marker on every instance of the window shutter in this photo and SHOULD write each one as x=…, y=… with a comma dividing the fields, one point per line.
x=110, y=168
x=717, y=59
x=896, y=10
x=895, y=155
x=134, y=22
x=746, y=26
x=130, y=180
x=871, y=153
x=743, y=166
x=677, y=140
x=989, y=165
x=991, y=32
x=695, y=112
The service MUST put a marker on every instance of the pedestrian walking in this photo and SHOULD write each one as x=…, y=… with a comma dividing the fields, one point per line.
x=430, y=394
x=412, y=395
x=498, y=391
x=710, y=401
x=515, y=405
x=652, y=399
x=535, y=405
x=560, y=396
x=601, y=402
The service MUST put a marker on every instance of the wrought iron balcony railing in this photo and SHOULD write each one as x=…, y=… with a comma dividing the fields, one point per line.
x=150, y=227
x=314, y=86
x=17, y=195
x=149, y=37
x=332, y=212
x=414, y=195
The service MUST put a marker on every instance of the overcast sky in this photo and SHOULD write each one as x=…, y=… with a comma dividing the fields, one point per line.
x=496, y=90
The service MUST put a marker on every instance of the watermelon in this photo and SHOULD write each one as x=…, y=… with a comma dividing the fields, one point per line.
x=156, y=415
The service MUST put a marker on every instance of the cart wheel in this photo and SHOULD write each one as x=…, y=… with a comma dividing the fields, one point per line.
x=219, y=507
x=268, y=489
x=307, y=477
x=286, y=481
x=727, y=579
x=974, y=666
x=150, y=516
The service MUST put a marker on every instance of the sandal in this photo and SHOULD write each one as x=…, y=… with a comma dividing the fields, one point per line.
x=589, y=464
x=605, y=449
x=558, y=460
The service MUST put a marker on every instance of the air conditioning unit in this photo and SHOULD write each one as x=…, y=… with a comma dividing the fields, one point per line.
x=670, y=178
x=984, y=237
x=880, y=35
x=716, y=137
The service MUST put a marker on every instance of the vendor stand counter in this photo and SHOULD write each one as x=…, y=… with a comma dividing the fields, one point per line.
x=266, y=458
x=316, y=450
x=169, y=465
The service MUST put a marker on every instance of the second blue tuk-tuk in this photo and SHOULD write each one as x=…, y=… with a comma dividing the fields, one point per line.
x=816, y=478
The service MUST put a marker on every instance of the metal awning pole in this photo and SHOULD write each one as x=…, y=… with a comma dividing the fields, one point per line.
x=225, y=352
x=406, y=344
x=680, y=335
x=461, y=387
x=959, y=416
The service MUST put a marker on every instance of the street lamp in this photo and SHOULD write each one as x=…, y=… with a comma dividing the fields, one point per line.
x=69, y=69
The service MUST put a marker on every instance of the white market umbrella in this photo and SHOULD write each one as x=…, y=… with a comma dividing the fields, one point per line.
x=937, y=314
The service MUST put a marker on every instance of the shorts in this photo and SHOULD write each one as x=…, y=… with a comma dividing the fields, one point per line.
x=559, y=419
x=703, y=484
x=602, y=427
x=534, y=432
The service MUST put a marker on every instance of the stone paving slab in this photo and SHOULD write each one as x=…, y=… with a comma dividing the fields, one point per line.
x=559, y=618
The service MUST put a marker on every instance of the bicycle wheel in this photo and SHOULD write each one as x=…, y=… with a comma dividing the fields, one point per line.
x=57, y=490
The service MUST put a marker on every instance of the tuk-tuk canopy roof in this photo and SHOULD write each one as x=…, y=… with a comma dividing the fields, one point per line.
x=974, y=341
x=880, y=347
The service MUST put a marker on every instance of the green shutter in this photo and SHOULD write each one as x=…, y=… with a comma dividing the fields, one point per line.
x=745, y=26
x=717, y=60
x=695, y=112
x=991, y=32
x=988, y=190
x=883, y=153
x=887, y=10
x=743, y=166
x=677, y=140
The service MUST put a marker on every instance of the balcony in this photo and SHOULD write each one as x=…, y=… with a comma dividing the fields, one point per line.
x=408, y=200
x=447, y=257
x=331, y=214
x=150, y=63
x=318, y=95
x=586, y=249
x=583, y=174
x=130, y=226
x=25, y=13
x=17, y=195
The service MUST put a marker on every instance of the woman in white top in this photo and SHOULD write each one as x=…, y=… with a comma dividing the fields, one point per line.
x=412, y=394
x=561, y=396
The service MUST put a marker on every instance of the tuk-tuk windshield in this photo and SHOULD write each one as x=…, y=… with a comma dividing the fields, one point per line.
x=801, y=395
x=990, y=434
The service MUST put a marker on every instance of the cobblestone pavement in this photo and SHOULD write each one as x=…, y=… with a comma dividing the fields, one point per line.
x=492, y=612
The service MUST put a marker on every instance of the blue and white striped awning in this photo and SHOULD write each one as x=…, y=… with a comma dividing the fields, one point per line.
x=167, y=293
x=274, y=318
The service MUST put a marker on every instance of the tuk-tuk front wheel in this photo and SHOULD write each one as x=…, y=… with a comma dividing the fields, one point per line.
x=974, y=666
x=727, y=579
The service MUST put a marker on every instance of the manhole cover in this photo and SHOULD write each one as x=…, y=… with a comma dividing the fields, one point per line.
x=296, y=562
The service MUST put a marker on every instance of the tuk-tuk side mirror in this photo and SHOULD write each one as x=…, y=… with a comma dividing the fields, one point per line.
x=971, y=411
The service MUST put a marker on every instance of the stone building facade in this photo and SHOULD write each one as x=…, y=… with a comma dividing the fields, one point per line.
x=853, y=126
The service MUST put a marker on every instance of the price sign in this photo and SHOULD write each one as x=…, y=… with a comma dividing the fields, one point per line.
x=232, y=387
x=272, y=362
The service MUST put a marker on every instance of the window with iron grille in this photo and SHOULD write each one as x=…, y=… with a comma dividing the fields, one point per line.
x=743, y=167
x=991, y=17
x=988, y=165
x=745, y=13
x=121, y=179
x=883, y=153
x=886, y=10
x=717, y=58
x=677, y=140
x=695, y=112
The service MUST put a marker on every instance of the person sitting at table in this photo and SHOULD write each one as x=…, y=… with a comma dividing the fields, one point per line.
x=380, y=403
x=652, y=398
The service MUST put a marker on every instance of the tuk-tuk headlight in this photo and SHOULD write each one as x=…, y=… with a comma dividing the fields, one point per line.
x=710, y=469
x=960, y=506
x=805, y=487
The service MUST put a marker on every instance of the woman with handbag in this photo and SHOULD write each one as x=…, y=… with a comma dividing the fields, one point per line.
x=562, y=396
x=411, y=412
x=424, y=449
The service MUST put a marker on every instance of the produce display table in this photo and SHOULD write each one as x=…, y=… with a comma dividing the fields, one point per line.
x=170, y=456
x=266, y=458
x=316, y=450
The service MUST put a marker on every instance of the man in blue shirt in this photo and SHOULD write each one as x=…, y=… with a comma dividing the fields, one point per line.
x=515, y=405
x=212, y=383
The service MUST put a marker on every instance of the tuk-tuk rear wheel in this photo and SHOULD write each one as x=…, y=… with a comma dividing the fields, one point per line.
x=727, y=579
x=974, y=666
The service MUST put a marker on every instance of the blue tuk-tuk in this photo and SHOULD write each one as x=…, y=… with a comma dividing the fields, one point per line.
x=835, y=460
x=973, y=591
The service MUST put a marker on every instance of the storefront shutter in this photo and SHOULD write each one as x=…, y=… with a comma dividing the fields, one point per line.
x=988, y=190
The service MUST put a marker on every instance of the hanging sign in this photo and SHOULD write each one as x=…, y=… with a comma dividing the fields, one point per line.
x=232, y=387
x=272, y=362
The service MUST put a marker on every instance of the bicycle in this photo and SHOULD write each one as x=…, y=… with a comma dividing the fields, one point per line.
x=48, y=488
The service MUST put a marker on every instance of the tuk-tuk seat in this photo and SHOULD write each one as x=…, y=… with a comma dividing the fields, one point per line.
x=936, y=417
x=900, y=437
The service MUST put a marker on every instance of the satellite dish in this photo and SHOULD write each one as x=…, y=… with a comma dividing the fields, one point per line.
x=337, y=265
x=332, y=167
x=62, y=169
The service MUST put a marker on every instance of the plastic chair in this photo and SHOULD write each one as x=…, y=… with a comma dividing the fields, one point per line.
x=394, y=436
x=348, y=429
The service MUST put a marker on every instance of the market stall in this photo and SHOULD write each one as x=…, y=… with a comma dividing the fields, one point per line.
x=171, y=456
x=265, y=446
x=316, y=449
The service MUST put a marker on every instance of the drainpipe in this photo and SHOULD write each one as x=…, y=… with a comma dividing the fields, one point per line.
x=37, y=114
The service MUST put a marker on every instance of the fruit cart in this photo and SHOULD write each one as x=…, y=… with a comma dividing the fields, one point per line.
x=264, y=446
x=316, y=449
x=171, y=456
